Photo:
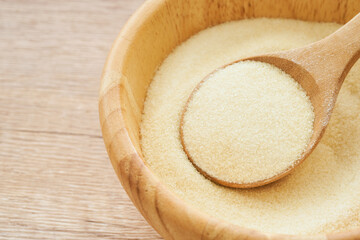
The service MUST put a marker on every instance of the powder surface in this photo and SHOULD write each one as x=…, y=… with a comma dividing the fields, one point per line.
x=247, y=122
x=322, y=195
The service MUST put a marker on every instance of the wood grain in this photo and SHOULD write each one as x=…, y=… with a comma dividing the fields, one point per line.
x=56, y=181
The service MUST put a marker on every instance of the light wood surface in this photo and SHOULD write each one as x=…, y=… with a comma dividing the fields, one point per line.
x=56, y=181
x=145, y=41
x=320, y=68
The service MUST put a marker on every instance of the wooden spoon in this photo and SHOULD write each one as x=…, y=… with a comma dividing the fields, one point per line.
x=320, y=68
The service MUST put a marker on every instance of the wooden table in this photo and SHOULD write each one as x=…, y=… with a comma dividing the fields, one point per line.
x=56, y=181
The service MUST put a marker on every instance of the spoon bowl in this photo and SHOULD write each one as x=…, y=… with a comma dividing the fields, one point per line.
x=320, y=68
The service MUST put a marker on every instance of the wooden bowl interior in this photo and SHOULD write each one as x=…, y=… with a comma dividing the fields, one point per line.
x=145, y=41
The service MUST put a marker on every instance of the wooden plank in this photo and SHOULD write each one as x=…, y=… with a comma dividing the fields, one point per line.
x=56, y=181
x=62, y=186
x=49, y=110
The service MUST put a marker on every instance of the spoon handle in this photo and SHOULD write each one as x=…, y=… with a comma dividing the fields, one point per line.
x=330, y=59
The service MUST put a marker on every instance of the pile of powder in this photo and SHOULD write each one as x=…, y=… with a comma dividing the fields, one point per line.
x=247, y=122
x=321, y=195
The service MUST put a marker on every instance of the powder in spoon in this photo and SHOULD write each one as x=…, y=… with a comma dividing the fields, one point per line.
x=247, y=122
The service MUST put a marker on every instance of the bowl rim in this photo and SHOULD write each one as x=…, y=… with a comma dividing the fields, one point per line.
x=109, y=105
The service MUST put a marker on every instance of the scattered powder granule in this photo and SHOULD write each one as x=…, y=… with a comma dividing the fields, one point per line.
x=247, y=122
x=322, y=195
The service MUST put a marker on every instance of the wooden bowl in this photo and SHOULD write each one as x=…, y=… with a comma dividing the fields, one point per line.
x=144, y=42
